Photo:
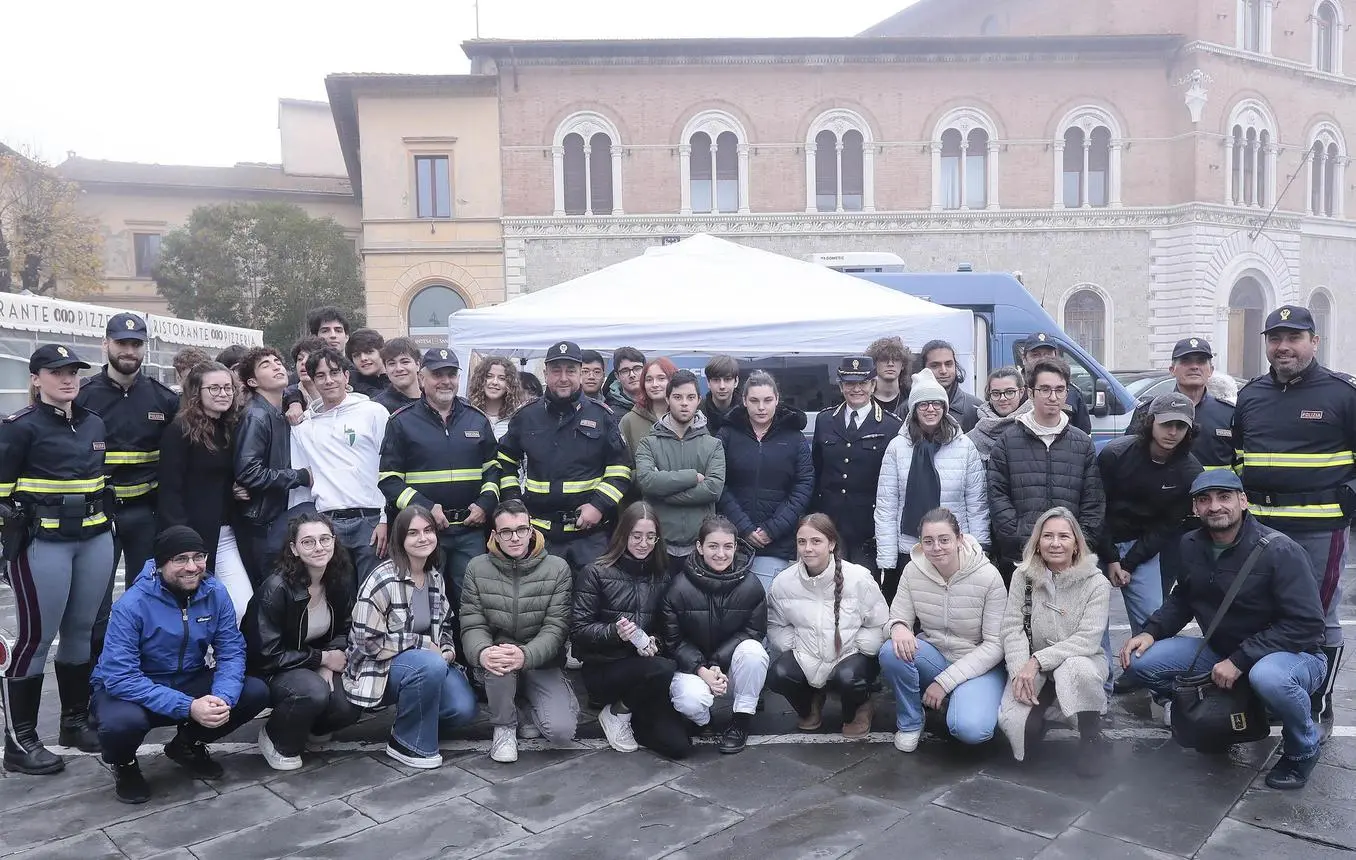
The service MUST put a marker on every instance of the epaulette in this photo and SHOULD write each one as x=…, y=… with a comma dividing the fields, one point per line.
x=462, y=401
x=1345, y=377
x=834, y=411
x=403, y=408
x=17, y=415
x=1254, y=379
x=162, y=385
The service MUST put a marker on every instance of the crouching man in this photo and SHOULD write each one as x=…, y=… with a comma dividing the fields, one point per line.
x=1272, y=633
x=515, y=611
x=153, y=671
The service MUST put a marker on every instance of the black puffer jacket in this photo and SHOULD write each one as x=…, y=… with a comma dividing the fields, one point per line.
x=263, y=461
x=769, y=482
x=705, y=615
x=603, y=594
x=274, y=626
x=1026, y=479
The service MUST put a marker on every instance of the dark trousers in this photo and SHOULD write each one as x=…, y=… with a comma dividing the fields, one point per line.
x=642, y=684
x=133, y=540
x=303, y=704
x=582, y=550
x=123, y=725
x=259, y=545
x=851, y=679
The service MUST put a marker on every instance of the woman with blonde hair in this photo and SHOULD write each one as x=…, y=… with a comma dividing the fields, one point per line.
x=496, y=389
x=1052, y=640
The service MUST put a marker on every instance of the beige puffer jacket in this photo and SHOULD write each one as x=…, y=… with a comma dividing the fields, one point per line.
x=962, y=617
x=800, y=617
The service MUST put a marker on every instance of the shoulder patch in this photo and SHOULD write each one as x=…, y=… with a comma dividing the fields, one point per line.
x=403, y=408
x=17, y=415
x=1347, y=378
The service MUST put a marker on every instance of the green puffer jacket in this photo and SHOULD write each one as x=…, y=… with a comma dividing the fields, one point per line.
x=524, y=602
x=666, y=474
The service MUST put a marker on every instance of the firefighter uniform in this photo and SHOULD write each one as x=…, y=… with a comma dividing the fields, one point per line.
x=571, y=453
x=134, y=420
x=1295, y=449
x=1214, y=445
x=60, y=556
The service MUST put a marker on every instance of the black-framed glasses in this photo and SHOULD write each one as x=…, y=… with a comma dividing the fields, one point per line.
x=519, y=533
x=1047, y=391
x=214, y=390
x=187, y=558
x=1005, y=394
x=631, y=371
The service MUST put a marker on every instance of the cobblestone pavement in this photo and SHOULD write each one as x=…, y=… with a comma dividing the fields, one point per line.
x=787, y=795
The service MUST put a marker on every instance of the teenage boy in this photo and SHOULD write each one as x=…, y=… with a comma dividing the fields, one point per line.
x=891, y=358
x=722, y=380
x=329, y=324
x=364, y=351
x=591, y=375
x=626, y=385
x=400, y=357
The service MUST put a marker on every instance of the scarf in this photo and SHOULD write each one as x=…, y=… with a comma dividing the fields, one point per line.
x=991, y=424
x=924, y=489
x=1040, y=431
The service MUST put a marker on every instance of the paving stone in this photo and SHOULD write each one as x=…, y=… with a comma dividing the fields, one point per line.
x=82, y=773
x=820, y=822
x=1324, y=810
x=426, y=788
x=649, y=824
x=176, y=854
x=1235, y=840
x=939, y=834
x=552, y=795
x=1030, y=809
x=197, y=822
x=1172, y=800
x=904, y=780
x=1075, y=844
x=751, y=780
x=86, y=846
x=452, y=829
x=831, y=757
x=528, y=762
x=337, y=780
x=1337, y=752
x=249, y=768
x=1051, y=768
x=300, y=830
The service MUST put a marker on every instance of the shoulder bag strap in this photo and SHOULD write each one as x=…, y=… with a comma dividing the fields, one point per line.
x=1243, y=573
x=1026, y=617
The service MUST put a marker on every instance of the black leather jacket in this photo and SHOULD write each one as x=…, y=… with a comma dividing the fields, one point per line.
x=603, y=594
x=263, y=461
x=705, y=615
x=275, y=627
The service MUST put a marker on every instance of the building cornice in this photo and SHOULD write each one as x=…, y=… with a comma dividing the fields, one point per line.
x=1277, y=63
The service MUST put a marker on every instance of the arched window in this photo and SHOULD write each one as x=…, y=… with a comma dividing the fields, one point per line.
x=1327, y=166
x=714, y=164
x=429, y=310
x=587, y=155
x=1327, y=37
x=1085, y=321
x=1088, y=159
x=839, y=164
x=1320, y=305
x=963, y=150
x=1254, y=21
x=1247, y=310
x=1250, y=155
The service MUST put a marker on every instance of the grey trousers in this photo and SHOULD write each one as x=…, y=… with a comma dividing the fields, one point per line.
x=551, y=699
x=58, y=587
x=1327, y=551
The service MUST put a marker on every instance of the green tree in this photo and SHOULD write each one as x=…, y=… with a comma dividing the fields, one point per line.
x=259, y=265
x=46, y=243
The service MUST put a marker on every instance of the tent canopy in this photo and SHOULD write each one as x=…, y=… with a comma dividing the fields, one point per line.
x=707, y=295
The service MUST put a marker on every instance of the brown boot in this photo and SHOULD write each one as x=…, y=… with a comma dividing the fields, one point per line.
x=860, y=726
x=813, y=720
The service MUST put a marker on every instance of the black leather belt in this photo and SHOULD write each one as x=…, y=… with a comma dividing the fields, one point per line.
x=351, y=513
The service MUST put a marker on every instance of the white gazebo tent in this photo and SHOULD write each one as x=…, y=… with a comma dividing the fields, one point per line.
x=706, y=295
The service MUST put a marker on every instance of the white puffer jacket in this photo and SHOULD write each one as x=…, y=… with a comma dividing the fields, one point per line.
x=964, y=490
x=962, y=617
x=800, y=617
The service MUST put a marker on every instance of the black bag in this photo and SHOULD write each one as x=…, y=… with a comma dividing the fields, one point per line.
x=1206, y=717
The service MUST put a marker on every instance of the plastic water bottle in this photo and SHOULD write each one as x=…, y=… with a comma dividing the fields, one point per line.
x=640, y=639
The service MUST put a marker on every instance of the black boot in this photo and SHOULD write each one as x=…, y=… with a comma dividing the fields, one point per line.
x=1093, y=748
x=129, y=785
x=736, y=735
x=1321, y=700
x=24, y=752
x=73, y=687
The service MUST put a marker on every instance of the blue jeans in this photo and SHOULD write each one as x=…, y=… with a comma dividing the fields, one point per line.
x=971, y=710
x=766, y=568
x=429, y=695
x=1284, y=681
x=1143, y=594
x=355, y=534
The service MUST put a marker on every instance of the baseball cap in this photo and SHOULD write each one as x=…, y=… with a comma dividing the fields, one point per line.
x=856, y=368
x=1041, y=339
x=438, y=359
x=565, y=350
x=1192, y=346
x=1175, y=406
x=126, y=326
x=1216, y=479
x=1293, y=317
x=51, y=356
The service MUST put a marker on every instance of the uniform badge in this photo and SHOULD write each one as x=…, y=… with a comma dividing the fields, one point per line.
x=588, y=422
x=1285, y=313
x=1195, y=342
x=442, y=353
x=61, y=351
x=130, y=325
x=99, y=446
x=1311, y=414
x=472, y=434
x=1040, y=336
x=155, y=416
x=856, y=364
x=1224, y=431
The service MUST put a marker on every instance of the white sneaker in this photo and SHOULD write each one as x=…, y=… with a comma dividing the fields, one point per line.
x=617, y=729
x=571, y=662
x=907, y=741
x=527, y=729
x=504, y=747
x=1167, y=714
x=407, y=757
x=275, y=759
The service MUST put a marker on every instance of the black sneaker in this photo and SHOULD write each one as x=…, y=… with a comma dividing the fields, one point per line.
x=1290, y=774
x=735, y=736
x=1124, y=684
x=192, y=756
x=1094, y=755
x=129, y=785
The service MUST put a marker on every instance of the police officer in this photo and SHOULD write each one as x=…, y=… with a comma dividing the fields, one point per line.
x=1192, y=367
x=1043, y=345
x=59, y=551
x=576, y=466
x=1295, y=438
x=440, y=453
x=849, y=443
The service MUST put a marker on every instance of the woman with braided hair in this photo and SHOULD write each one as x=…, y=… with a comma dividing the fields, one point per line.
x=826, y=617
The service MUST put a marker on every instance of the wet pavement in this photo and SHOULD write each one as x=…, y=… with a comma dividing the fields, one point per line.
x=788, y=795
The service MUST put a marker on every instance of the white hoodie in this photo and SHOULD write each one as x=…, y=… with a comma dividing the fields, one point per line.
x=342, y=449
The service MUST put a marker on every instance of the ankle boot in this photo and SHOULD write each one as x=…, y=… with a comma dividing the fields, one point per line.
x=73, y=688
x=1321, y=700
x=1093, y=748
x=24, y=752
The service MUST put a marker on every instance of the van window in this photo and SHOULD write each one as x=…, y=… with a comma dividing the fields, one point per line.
x=808, y=383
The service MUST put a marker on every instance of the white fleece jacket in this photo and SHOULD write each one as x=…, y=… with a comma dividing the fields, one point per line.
x=342, y=449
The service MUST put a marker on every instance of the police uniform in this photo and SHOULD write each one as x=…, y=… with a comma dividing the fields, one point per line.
x=1214, y=445
x=847, y=454
x=427, y=461
x=134, y=420
x=60, y=555
x=571, y=453
x=1295, y=446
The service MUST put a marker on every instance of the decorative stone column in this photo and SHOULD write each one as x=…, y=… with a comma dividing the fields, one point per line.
x=558, y=169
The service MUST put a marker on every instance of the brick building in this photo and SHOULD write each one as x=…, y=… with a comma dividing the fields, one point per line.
x=1125, y=156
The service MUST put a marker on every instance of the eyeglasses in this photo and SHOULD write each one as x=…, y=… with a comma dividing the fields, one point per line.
x=1046, y=391
x=931, y=406
x=519, y=533
x=214, y=390
x=187, y=558
x=941, y=542
x=1005, y=394
x=644, y=537
x=313, y=542
x=631, y=371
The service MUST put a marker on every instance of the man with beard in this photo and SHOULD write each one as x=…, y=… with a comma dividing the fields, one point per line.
x=1271, y=633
